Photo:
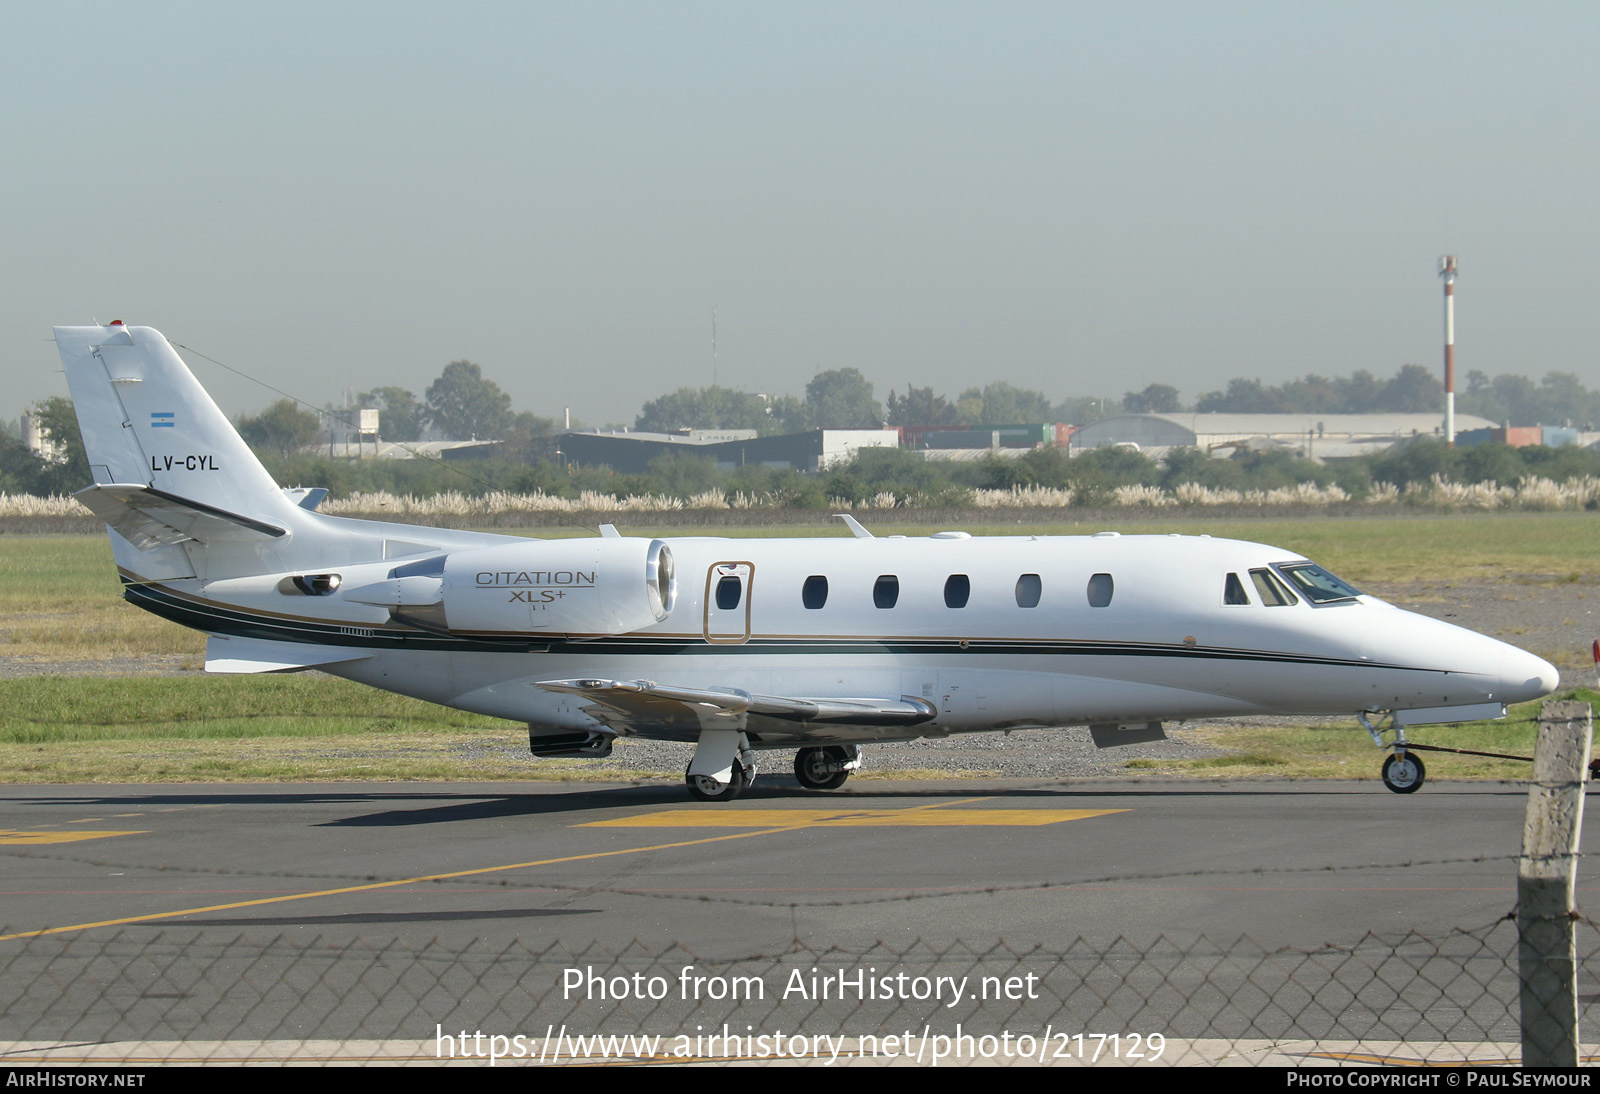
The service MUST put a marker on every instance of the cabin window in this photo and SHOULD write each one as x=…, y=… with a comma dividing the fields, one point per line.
x=1233, y=591
x=957, y=588
x=1028, y=589
x=729, y=590
x=886, y=591
x=814, y=593
x=1272, y=591
x=1100, y=589
x=1318, y=585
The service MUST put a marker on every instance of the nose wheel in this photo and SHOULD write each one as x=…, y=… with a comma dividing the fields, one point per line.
x=1403, y=772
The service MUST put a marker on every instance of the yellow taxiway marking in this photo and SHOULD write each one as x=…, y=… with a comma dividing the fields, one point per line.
x=919, y=817
x=12, y=835
x=392, y=884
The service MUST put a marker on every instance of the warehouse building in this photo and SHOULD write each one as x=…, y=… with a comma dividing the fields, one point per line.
x=812, y=451
x=1316, y=436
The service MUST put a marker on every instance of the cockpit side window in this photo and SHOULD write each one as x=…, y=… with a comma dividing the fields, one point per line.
x=1318, y=585
x=1233, y=591
x=1272, y=591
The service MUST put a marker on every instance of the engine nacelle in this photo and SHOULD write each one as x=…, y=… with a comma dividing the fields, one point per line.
x=564, y=586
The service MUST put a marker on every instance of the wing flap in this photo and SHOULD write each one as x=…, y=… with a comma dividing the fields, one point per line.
x=626, y=704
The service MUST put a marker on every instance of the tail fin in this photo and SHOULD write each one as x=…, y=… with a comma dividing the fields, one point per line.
x=153, y=434
x=146, y=419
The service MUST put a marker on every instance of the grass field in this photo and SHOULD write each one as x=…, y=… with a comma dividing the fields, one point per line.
x=60, y=602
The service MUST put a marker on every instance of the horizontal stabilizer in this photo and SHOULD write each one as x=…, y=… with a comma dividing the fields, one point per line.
x=150, y=518
x=626, y=703
x=241, y=655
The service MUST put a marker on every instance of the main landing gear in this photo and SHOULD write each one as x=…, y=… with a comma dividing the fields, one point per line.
x=722, y=767
x=1403, y=770
x=708, y=788
x=826, y=767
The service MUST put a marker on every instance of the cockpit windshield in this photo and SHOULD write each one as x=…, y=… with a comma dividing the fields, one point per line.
x=1316, y=584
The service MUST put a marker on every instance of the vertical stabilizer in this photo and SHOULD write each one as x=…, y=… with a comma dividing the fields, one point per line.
x=147, y=421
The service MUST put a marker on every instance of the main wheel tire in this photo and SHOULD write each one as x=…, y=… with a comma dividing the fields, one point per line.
x=708, y=789
x=821, y=768
x=1404, y=773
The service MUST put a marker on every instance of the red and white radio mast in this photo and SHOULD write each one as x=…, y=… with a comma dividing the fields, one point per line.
x=1447, y=271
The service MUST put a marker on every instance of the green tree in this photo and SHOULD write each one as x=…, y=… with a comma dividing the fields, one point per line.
x=1413, y=389
x=464, y=406
x=281, y=429
x=1154, y=399
x=683, y=474
x=842, y=398
x=1083, y=409
x=59, y=422
x=21, y=471
x=400, y=415
x=1001, y=403
x=920, y=406
x=702, y=408
x=1359, y=393
x=1492, y=462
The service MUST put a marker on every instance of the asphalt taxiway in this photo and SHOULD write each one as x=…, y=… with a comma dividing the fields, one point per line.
x=143, y=911
x=1289, y=863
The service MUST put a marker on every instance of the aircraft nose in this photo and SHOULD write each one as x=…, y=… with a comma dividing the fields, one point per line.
x=1526, y=677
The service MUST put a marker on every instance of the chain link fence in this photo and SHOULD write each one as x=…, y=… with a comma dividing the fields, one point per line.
x=145, y=995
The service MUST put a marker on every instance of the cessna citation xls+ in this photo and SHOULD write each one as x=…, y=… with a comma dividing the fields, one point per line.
x=738, y=646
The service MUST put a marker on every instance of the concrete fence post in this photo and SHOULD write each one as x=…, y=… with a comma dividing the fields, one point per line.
x=1546, y=942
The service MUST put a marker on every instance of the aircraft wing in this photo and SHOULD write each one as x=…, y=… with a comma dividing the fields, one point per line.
x=150, y=518
x=630, y=704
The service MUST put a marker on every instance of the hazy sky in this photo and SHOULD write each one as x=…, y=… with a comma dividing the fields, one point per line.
x=1081, y=198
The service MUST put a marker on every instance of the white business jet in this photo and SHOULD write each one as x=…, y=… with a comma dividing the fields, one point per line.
x=738, y=646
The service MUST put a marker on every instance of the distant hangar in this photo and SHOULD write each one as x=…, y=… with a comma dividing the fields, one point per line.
x=1317, y=436
x=633, y=453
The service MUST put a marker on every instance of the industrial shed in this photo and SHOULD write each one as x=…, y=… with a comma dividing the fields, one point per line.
x=813, y=451
x=1318, y=436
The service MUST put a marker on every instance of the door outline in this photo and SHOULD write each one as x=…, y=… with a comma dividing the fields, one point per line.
x=717, y=631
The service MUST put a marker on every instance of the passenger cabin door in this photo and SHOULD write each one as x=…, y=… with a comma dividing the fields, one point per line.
x=727, y=602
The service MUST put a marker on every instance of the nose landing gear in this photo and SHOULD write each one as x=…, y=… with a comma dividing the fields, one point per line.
x=1403, y=772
